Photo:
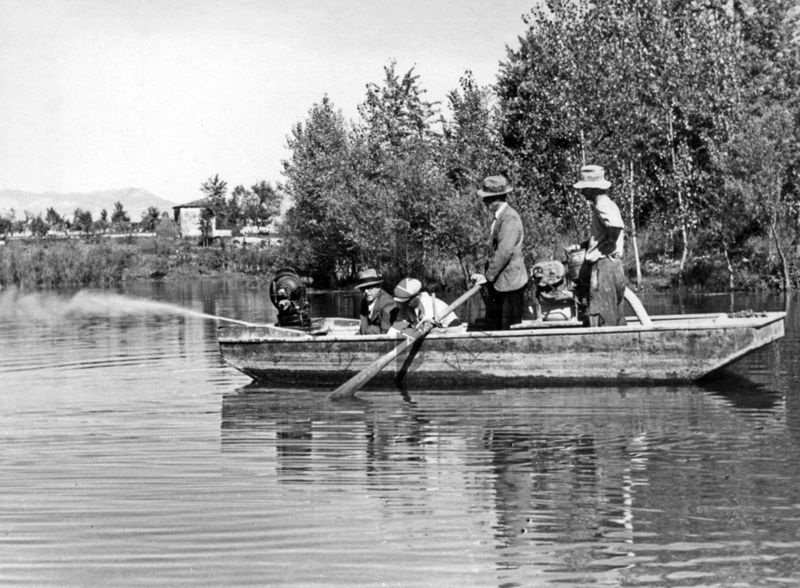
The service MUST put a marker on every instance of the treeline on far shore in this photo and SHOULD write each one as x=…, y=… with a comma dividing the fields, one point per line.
x=38, y=263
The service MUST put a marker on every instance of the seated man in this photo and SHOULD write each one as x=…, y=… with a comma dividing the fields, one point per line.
x=415, y=306
x=376, y=304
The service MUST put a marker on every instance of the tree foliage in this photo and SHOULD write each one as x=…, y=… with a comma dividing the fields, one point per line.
x=664, y=94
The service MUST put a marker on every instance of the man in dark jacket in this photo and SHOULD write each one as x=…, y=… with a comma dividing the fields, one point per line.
x=505, y=275
x=376, y=304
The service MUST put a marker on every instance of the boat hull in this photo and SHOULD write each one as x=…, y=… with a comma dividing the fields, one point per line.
x=674, y=349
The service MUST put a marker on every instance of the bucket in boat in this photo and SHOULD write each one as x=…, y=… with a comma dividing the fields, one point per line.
x=575, y=256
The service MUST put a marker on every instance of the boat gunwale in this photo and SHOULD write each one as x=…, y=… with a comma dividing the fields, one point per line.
x=697, y=322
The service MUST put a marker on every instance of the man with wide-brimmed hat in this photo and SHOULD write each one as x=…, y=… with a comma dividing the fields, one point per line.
x=376, y=303
x=505, y=275
x=601, y=279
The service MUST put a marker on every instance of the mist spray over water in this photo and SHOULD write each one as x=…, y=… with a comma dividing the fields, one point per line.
x=50, y=308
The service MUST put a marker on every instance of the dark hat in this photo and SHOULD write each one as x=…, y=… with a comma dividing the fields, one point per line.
x=407, y=289
x=368, y=278
x=592, y=176
x=494, y=186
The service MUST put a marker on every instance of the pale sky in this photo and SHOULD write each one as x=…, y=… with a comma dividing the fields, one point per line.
x=163, y=94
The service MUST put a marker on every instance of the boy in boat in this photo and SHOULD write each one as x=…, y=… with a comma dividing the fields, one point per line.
x=415, y=306
x=601, y=279
x=504, y=276
x=376, y=304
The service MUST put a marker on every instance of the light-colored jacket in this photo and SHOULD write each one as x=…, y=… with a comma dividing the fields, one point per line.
x=432, y=308
x=506, y=266
x=605, y=215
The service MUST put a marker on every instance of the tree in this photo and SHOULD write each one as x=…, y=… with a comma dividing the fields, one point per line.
x=320, y=181
x=102, y=224
x=632, y=85
x=217, y=190
x=7, y=224
x=472, y=150
x=263, y=204
x=234, y=211
x=150, y=219
x=39, y=226
x=120, y=220
x=399, y=177
x=759, y=166
x=54, y=219
x=82, y=221
x=167, y=228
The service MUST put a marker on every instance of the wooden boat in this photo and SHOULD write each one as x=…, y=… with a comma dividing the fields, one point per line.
x=674, y=348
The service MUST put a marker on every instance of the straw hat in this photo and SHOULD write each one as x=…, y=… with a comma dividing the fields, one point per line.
x=592, y=176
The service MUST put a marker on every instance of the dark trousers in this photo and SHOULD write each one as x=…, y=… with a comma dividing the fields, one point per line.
x=503, y=309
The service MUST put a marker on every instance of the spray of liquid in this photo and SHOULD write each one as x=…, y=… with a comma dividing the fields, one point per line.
x=50, y=308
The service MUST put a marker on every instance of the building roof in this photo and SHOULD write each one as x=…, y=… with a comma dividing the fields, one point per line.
x=202, y=203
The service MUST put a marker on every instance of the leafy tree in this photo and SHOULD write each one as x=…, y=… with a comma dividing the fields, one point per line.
x=102, y=223
x=39, y=226
x=217, y=190
x=207, y=221
x=759, y=170
x=320, y=181
x=6, y=224
x=150, y=219
x=120, y=219
x=167, y=228
x=632, y=85
x=54, y=219
x=263, y=204
x=234, y=209
x=399, y=172
x=82, y=221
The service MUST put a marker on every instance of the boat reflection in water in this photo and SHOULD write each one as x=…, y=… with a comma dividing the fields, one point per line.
x=561, y=486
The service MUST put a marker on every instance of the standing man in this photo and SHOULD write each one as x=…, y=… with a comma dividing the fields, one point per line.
x=505, y=276
x=376, y=304
x=602, y=276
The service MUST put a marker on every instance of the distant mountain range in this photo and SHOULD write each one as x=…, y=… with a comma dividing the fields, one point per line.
x=135, y=201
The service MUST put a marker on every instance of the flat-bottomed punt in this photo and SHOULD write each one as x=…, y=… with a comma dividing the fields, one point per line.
x=674, y=348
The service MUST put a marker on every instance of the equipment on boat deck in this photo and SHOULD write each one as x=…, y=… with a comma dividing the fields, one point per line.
x=552, y=291
x=288, y=293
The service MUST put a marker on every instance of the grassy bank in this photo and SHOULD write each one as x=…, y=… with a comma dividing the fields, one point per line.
x=70, y=263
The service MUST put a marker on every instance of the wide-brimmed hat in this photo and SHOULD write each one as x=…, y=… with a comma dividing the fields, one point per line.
x=407, y=289
x=592, y=176
x=494, y=186
x=367, y=278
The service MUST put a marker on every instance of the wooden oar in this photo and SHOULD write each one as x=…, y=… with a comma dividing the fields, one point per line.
x=412, y=353
x=355, y=383
x=638, y=308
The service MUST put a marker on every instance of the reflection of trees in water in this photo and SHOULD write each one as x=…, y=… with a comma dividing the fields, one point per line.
x=593, y=481
x=537, y=474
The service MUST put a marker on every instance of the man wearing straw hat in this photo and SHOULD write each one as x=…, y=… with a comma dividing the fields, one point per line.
x=376, y=304
x=602, y=277
x=505, y=275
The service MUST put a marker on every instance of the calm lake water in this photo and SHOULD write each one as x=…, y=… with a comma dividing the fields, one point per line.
x=132, y=456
